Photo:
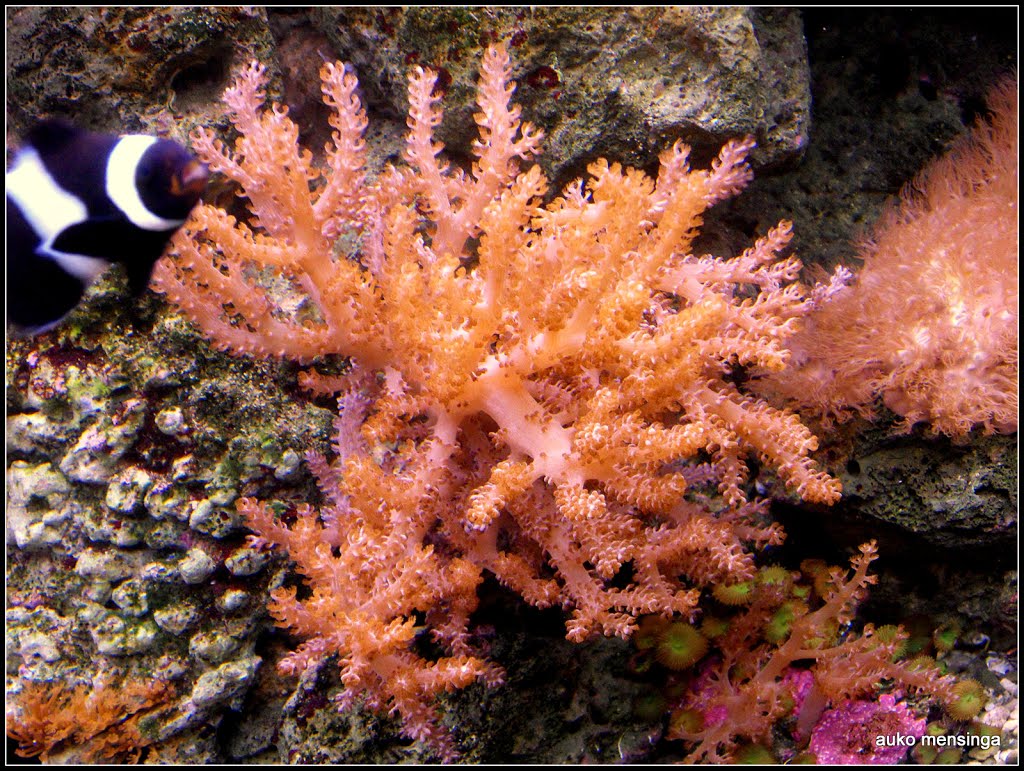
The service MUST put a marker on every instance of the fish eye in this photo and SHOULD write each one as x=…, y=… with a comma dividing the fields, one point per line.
x=146, y=172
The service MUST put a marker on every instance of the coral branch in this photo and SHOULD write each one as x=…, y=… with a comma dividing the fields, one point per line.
x=553, y=394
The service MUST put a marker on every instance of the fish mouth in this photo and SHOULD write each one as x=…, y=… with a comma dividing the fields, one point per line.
x=190, y=182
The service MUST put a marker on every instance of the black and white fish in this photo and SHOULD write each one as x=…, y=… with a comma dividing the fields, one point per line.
x=79, y=201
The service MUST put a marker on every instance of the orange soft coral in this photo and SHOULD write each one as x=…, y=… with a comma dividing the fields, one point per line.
x=541, y=391
x=100, y=721
x=931, y=322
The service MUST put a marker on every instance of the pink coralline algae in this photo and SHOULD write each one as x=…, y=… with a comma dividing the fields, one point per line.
x=860, y=732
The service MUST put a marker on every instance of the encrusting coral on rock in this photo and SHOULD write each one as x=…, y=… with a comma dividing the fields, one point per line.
x=101, y=719
x=544, y=393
